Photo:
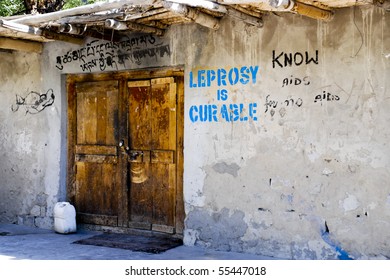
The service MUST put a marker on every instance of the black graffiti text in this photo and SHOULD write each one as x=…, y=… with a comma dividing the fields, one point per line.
x=293, y=59
x=326, y=96
x=103, y=55
x=271, y=105
x=295, y=81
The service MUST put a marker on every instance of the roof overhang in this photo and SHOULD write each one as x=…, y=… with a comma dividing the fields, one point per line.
x=109, y=19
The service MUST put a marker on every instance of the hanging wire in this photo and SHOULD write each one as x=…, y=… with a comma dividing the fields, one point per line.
x=357, y=27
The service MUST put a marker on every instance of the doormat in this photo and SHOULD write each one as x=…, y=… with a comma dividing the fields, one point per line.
x=138, y=243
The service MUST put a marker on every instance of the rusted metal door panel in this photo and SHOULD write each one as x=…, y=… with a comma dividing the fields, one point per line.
x=152, y=145
x=97, y=179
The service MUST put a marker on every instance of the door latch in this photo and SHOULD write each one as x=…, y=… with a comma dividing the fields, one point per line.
x=134, y=155
x=122, y=145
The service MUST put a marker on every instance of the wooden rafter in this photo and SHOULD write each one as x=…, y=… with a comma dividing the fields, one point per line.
x=87, y=9
x=20, y=45
x=193, y=14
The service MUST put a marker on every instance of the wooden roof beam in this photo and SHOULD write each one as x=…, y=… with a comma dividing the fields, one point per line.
x=20, y=45
x=311, y=11
x=161, y=16
x=145, y=14
x=20, y=27
x=120, y=25
x=86, y=9
x=212, y=6
x=193, y=14
x=249, y=19
x=88, y=19
x=288, y=6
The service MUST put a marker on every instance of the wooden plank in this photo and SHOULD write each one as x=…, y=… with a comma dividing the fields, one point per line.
x=163, y=157
x=145, y=83
x=162, y=121
x=80, y=124
x=97, y=112
x=172, y=193
x=172, y=116
x=163, y=193
x=96, y=150
x=89, y=117
x=98, y=179
x=130, y=75
x=21, y=45
x=160, y=116
x=146, y=14
x=102, y=118
x=141, y=202
x=80, y=201
x=161, y=81
x=144, y=28
x=163, y=228
x=90, y=192
x=97, y=191
x=85, y=218
x=53, y=36
x=179, y=199
x=109, y=190
x=139, y=116
x=71, y=141
x=120, y=123
x=140, y=225
x=96, y=159
x=112, y=127
x=164, y=113
x=85, y=9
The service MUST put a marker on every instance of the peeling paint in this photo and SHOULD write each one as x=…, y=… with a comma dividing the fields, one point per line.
x=350, y=203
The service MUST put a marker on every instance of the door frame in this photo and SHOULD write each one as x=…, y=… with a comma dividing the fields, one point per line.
x=123, y=78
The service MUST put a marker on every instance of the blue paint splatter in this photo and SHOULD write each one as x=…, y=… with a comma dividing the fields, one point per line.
x=342, y=255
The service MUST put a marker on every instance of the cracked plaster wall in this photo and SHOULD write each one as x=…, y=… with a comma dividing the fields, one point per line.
x=28, y=166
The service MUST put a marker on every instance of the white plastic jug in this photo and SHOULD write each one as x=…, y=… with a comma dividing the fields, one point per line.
x=64, y=218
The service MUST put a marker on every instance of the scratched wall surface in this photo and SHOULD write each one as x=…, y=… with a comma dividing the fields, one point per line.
x=27, y=142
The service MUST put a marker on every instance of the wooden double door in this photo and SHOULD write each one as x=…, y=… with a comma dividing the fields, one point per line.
x=125, y=151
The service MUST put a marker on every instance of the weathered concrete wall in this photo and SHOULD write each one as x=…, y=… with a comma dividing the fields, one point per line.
x=29, y=138
x=286, y=131
x=303, y=171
